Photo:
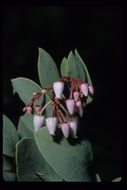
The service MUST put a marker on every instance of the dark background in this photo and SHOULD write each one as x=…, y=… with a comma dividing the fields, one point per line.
x=96, y=32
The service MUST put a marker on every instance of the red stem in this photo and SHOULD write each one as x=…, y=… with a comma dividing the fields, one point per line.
x=72, y=87
x=49, y=102
x=49, y=87
x=58, y=115
x=62, y=115
x=63, y=108
x=51, y=112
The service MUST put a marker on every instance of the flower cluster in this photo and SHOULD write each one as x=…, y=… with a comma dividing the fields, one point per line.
x=64, y=110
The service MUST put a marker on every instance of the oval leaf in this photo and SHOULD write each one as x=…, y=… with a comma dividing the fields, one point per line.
x=10, y=137
x=79, y=59
x=25, y=126
x=64, y=67
x=75, y=69
x=25, y=88
x=47, y=69
x=31, y=164
x=71, y=162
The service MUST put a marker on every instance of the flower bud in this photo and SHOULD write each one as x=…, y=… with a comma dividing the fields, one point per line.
x=73, y=127
x=58, y=88
x=70, y=103
x=76, y=95
x=38, y=121
x=84, y=89
x=79, y=108
x=91, y=89
x=37, y=108
x=29, y=109
x=65, y=129
x=51, y=123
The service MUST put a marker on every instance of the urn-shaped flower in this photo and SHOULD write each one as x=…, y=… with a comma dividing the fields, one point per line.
x=51, y=123
x=91, y=89
x=70, y=103
x=84, y=89
x=65, y=127
x=79, y=108
x=58, y=88
x=73, y=127
x=38, y=121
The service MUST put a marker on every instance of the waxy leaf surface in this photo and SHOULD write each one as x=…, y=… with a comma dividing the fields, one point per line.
x=30, y=163
x=10, y=137
x=71, y=162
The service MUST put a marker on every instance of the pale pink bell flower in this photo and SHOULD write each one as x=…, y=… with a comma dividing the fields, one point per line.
x=79, y=108
x=84, y=89
x=65, y=129
x=58, y=88
x=70, y=103
x=38, y=121
x=73, y=127
x=51, y=123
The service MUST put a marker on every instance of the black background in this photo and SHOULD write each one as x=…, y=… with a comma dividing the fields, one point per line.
x=96, y=32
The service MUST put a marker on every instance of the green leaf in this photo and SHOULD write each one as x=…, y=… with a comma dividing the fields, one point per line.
x=64, y=67
x=10, y=137
x=75, y=68
x=79, y=59
x=47, y=69
x=71, y=162
x=98, y=179
x=25, y=126
x=9, y=173
x=31, y=164
x=25, y=88
x=118, y=179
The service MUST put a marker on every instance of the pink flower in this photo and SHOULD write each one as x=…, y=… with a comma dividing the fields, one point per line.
x=70, y=103
x=91, y=89
x=65, y=129
x=73, y=127
x=38, y=121
x=58, y=88
x=76, y=95
x=51, y=123
x=79, y=108
x=84, y=89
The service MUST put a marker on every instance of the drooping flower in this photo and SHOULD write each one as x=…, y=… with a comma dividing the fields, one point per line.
x=51, y=123
x=70, y=103
x=79, y=108
x=58, y=88
x=91, y=89
x=38, y=121
x=76, y=95
x=65, y=127
x=84, y=89
x=73, y=127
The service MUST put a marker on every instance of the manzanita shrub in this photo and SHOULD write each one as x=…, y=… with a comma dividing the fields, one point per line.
x=46, y=145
